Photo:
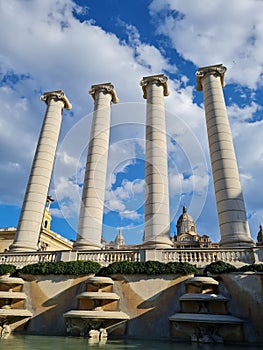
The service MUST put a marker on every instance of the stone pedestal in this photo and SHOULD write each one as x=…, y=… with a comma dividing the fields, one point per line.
x=29, y=226
x=157, y=216
x=92, y=203
x=232, y=217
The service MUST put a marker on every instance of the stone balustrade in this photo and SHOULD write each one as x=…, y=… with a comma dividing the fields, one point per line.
x=22, y=259
x=198, y=257
x=105, y=257
x=202, y=257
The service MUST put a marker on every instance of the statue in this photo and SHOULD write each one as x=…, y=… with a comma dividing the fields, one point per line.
x=5, y=330
x=103, y=333
x=94, y=334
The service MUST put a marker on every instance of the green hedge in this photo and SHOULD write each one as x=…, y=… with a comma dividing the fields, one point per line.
x=7, y=268
x=124, y=267
x=253, y=268
x=148, y=268
x=218, y=267
x=62, y=268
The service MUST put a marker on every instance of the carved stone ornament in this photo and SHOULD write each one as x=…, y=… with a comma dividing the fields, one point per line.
x=59, y=95
x=107, y=88
x=217, y=70
x=159, y=80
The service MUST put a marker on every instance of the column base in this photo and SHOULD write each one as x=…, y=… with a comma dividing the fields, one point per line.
x=20, y=248
x=235, y=242
x=82, y=245
x=159, y=242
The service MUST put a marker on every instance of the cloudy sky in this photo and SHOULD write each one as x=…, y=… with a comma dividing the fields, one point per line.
x=70, y=45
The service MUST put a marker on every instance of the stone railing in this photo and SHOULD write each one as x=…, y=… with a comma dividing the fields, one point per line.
x=203, y=257
x=23, y=259
x=198, y=257
x=106, y=257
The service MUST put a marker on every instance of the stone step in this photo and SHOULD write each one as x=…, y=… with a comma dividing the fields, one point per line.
x=200, y=280
x=99, y=281
x=205, y=318
x=114, y=315
x=12, y=295
x=98, y=295
x=14, y=313
x=202, y=297
x=16, y=281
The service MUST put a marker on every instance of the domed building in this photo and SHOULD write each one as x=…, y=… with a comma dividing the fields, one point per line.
x=118, y=243
x=186, y=236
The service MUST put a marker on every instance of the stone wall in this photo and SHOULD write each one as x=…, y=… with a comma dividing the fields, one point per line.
x=148, y=300
x=48, y=297
x=245, y=292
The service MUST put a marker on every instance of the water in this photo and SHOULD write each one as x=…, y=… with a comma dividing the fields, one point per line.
x=31, y=342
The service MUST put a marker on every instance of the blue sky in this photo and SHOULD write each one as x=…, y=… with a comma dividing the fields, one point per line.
x=71, y=45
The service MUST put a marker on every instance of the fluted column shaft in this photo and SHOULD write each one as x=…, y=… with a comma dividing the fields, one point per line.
x=29, y=225
x=92, y=204
x=231, y=210
x=157, y=215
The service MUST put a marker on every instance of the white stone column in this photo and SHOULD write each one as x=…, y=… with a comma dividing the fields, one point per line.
x=92, y=203
x=231, y=210
x=157, y=215
x=29, y=225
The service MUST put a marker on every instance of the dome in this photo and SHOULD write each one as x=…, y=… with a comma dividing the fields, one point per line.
x=185, y=223
x=119, y=239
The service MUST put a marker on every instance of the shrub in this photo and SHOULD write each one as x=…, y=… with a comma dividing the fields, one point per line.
x=218, y=267
x=181, y=268
x=62, y=268
x=7, y=268
x=148, y=268
x=253, y=268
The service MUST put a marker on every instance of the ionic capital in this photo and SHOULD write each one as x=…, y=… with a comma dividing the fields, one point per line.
x=159, y=80
x=217, y=70
x=59, y=95
x=107, y=88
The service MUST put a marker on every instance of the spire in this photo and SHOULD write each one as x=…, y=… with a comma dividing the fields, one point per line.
x=184, y=209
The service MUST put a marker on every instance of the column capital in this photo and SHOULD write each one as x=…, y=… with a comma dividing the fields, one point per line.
x=107, y=88
x=58, y=94
x=159, y=80
x=217, y=70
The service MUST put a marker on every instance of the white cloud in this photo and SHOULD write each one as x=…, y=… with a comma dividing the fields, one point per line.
x=220, y=31
x=47, y=48
x=131, y=215
x=126, y=199
x=147, y=55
